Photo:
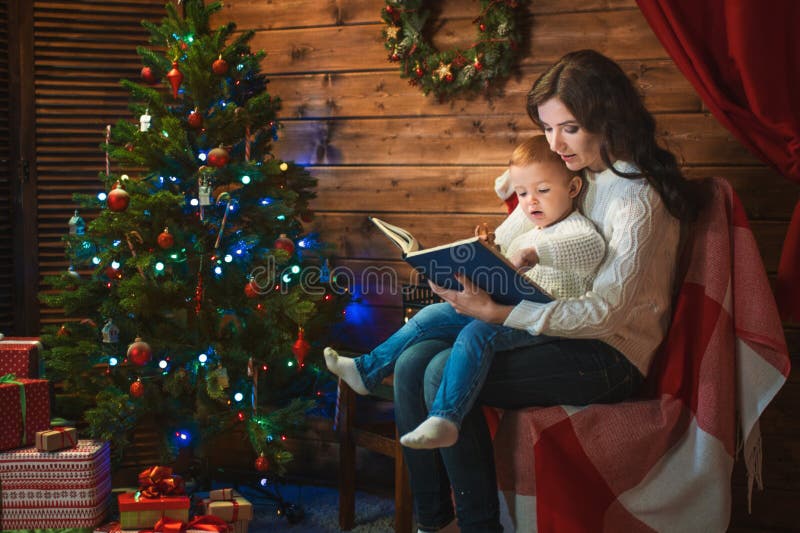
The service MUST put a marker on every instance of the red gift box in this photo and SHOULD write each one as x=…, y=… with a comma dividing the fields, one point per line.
x=20, y=356
x=18, y=428
x=144, y=512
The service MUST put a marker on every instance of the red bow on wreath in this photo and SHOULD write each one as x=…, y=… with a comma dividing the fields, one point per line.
x=158, y=481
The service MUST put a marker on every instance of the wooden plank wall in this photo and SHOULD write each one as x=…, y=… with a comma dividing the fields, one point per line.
x=378, y=146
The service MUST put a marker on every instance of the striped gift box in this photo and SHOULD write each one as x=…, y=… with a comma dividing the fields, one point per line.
x=68, y=488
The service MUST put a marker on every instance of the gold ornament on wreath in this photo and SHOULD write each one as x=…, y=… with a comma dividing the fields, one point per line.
x=450, y=72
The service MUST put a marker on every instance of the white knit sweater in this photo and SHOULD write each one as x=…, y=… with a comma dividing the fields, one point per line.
x=569, y=251
x=629, y=303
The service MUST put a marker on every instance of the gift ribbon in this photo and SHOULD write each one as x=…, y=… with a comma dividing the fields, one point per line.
x=158, y=481
x=11, y=379
x=66, y=437
x=203, y=523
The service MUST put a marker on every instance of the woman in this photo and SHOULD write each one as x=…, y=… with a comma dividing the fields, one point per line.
x=593, y=349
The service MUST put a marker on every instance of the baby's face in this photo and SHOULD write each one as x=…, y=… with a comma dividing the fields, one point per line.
x=545, y=192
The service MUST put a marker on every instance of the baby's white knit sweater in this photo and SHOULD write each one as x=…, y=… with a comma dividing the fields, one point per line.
x=569, y=251
x=629, y=303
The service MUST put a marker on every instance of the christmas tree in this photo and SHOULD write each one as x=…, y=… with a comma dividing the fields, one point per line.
x=193, y=295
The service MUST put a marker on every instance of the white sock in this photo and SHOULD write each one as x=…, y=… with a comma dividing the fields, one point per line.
x=345, y=368
x=434, y=432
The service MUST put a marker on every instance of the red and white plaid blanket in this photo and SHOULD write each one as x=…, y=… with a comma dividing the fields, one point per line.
x=662, y=462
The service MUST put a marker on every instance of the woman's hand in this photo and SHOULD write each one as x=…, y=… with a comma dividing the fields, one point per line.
x=524, y=258
x=473, y=301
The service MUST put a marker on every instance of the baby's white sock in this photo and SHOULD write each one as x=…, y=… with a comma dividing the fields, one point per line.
x=435, y=432
x=345, y=368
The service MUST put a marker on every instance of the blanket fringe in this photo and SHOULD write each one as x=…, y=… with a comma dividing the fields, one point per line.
x=753, y=457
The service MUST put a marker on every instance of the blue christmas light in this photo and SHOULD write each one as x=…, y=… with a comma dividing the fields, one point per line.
x=115, y=265
x=202, y=156
x=159, y=266
x=245, y=179
x=113, y=361
x=116, y=243
x=194, y=202
x=183, y=437
x=238, y=397
x=266, y=201
x=228, y=258
x=95, y=260
x=102, y=196
x=203, y=358
x=281, y=217
x=286, y=278
x=264, y=482
x=218, y=270
x=163, y=364
x=295, y=269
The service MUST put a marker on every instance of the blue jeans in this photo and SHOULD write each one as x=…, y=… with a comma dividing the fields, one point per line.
x=474, y=344
x=553, y=372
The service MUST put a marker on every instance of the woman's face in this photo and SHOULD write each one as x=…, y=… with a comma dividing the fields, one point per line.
x=577, y=147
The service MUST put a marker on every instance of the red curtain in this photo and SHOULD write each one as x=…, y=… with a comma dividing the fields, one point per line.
x=743, y=58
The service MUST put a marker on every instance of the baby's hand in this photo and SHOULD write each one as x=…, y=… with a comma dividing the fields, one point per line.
x=483, y=233
x=524, y=258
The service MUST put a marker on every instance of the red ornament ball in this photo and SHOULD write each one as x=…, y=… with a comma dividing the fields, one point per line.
x=482, y=26
x=478, y=66
x=448, y=78
x=113, y=273
x=149, y=76
x=219, y=67
x=195, y=120
x=137, y=389
x=118, y=199
x=218, y=157
x=251, y=289
x=419, y=72
x=284, y=243
x=139, y=352
x=262, y=463
x=166, y=240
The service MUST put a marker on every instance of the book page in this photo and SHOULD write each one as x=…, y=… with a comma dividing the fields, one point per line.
x=402, y=238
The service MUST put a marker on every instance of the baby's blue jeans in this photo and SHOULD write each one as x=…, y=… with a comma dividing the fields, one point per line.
x=474, y=344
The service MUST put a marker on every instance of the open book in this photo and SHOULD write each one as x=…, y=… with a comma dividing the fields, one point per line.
x=480, y=261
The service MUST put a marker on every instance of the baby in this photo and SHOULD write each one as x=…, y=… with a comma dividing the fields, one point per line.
x=546, y=235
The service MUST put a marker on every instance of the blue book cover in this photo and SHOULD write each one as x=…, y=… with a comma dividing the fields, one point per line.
x=480, y=261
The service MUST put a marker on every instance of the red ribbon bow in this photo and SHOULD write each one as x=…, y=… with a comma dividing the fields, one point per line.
x=158, y=481
x=203, y=523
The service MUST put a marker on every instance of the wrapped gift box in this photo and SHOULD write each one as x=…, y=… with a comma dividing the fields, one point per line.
x=52, y=440
x=116, y=527
x=68, y=488
x=221, y=494
x=236, y=511
x=141, y=513
x=20, y=356
x=18, y=429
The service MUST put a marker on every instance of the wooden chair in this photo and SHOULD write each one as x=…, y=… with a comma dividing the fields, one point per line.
x=380, y=438
x=377, y=437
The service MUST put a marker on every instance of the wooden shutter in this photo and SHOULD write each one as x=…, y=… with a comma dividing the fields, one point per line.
x=81, y=50
x=6, y=243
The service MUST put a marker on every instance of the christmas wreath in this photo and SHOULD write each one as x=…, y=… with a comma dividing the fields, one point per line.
x=452, y=71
